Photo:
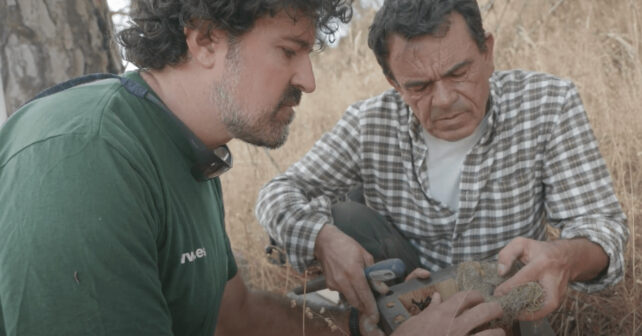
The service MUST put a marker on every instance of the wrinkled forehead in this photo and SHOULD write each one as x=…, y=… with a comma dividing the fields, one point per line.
x=449, y=42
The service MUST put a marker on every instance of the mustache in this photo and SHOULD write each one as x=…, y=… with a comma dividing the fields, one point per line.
x=291, y=97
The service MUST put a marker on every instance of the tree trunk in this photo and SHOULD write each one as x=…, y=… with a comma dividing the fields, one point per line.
x=44, y=42
x=3, y=110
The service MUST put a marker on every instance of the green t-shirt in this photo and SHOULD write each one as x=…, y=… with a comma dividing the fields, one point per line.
x=103, y=229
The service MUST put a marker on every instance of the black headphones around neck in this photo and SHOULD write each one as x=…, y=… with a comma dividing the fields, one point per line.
x=209, y=163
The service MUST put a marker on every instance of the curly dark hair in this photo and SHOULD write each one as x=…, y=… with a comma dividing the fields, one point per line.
x=413, y=18
x=155, y=38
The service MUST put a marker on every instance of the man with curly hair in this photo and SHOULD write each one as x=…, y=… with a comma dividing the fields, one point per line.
x=112, y=219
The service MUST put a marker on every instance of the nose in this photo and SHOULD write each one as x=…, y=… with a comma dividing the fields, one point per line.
x=304, y=76
x=443, y=96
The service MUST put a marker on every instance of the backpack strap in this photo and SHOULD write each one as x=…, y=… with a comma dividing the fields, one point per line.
x=71, y=83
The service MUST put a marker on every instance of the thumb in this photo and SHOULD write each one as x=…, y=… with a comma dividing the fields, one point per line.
x=435, y=299
x=418, y=273
x=513, y=251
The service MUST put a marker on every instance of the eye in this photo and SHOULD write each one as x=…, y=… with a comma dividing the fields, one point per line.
x=420, y=88
x=289, y=53
x=458, y=73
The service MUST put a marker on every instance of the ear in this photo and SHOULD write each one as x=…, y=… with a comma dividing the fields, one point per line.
x=488, y=54
x=205, y=45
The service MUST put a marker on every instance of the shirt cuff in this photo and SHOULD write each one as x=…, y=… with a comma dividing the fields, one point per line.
x=615, y=269
x=304, y=231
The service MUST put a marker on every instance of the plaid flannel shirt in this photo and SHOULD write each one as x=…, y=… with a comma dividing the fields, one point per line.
x=537, y=161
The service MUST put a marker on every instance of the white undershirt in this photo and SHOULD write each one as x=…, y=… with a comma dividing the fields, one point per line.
x=445, y=161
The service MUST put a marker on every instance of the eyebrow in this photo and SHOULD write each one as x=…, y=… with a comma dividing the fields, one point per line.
x=302, y=43
x=453, y=69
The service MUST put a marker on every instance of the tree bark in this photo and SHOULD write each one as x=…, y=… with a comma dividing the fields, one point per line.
x=3, y=109
x=44, y=42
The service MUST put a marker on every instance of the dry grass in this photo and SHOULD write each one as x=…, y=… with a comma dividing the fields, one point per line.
x=594, y=43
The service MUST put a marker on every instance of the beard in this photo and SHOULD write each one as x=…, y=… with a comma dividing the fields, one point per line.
x=261, y=127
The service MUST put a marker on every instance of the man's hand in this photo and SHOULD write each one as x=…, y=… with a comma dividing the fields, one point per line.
x=553, y=265
x=457, y=316
x=343, y=261
x=418, y=273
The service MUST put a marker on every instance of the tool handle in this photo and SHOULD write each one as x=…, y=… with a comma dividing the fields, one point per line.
x=384, y=270
x=388, y=269
x=313, y=285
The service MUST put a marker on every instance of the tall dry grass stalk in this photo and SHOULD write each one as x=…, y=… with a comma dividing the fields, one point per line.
x=594, y=43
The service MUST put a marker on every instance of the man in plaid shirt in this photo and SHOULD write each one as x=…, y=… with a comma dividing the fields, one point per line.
x=457, y=162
